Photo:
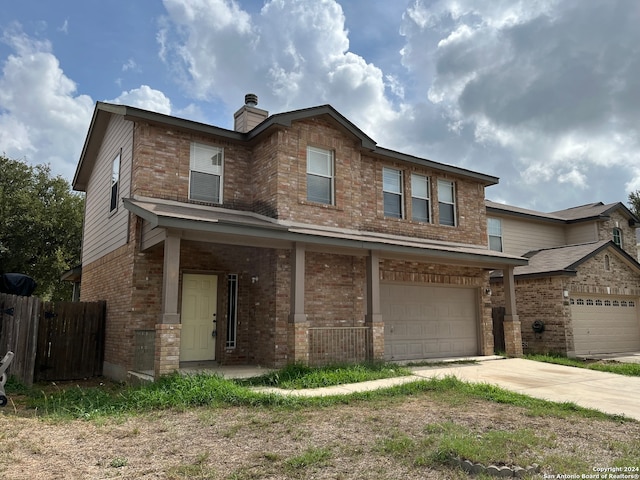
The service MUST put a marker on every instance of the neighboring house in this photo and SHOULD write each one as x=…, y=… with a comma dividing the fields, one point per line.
x=582, y=283
x=293, y=238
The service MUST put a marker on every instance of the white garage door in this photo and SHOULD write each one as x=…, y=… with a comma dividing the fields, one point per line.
x=428, y=322
x=605, y=324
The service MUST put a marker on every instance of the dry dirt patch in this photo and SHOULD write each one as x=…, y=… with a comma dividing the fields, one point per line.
x=243, y=443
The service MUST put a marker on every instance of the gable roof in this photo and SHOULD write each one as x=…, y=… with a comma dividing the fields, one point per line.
x=594, y=211
x=582, y=213
x=565, y=260
x=103, y=112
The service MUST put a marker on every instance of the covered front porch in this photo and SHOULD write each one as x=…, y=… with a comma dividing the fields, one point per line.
x=305, y=294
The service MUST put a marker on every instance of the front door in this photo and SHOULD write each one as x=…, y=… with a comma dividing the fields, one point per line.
x=198, y=317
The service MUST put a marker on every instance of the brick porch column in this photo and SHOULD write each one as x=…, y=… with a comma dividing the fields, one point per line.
x=167, y=349
x=512, y=328
x=373, y=318
x=298, y=324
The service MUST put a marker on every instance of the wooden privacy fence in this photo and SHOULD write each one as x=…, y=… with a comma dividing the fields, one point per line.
x=19, y=333
x=52, y=340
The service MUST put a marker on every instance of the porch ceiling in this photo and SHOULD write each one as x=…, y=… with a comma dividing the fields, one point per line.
x=248, y=227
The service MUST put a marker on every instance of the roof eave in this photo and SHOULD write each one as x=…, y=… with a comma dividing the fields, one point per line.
x=282, y=232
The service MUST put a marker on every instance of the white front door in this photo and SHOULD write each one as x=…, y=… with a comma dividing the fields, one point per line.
x=199, y=300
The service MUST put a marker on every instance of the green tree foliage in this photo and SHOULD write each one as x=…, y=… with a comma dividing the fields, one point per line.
x=634, y=202
x=40, y=226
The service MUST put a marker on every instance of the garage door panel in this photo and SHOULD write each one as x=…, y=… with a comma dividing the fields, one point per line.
x=605, y=324
x=422, y=322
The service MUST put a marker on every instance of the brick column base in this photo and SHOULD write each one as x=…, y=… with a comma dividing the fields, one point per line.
x=377, y=341
x=167, y=351
x=512, y=336
x=299, y=342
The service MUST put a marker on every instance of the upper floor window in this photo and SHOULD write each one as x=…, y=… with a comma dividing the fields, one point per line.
x=617, y=237
x=320, y=176
x=607, y=263
x=392, y=192
x=115, y=182
x=447, y=203
x=420, y=201
x=206, y=173
x=494, y=227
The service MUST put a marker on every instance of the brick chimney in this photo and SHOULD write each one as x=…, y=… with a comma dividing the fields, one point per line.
x=249, y=115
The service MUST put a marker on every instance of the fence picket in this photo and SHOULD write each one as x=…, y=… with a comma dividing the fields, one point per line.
x=52, y=340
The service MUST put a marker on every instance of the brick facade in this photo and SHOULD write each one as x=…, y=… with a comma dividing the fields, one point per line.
x=268, y=176
x=545, y=299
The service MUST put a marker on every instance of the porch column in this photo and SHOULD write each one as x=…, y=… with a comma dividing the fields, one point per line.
x=373, y=318
x=167, y=346
x=512, y=328
x=298, y=323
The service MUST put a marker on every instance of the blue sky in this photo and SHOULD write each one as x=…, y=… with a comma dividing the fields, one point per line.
x=543, y=94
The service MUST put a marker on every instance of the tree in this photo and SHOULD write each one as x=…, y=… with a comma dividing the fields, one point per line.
x=40, y=226
x=634, y=203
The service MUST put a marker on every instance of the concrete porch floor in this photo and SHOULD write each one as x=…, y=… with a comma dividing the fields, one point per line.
x=225, y=371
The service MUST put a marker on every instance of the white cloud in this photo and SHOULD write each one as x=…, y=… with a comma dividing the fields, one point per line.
x=146, y=98
x=545, y=86
x=226, y=53
x=130, y=65
x=41, y=112
x=65, y=26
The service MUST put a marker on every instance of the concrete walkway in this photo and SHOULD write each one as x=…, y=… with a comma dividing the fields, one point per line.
x=607, y=392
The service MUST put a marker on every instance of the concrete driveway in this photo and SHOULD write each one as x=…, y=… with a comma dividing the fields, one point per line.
x=607, y=392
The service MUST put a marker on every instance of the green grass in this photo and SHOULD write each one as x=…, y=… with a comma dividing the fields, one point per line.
x=180, y=392
x=629, y=369
x=310, y=458
x=297, y=376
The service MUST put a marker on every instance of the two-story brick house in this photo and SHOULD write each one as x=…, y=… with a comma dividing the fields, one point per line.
x=292, y=238
x=582, y=283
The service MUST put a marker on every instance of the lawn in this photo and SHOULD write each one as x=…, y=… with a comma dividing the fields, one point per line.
x=628, y=369
x=205, y=427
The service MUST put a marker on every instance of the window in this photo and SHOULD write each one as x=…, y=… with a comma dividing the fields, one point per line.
x=617, y=237
x=232, y=310
x=494, y=227
x=446, y=203
x=205, y=178
x=607, y=263
x=598, y=303
x=420, y=208
x=115, y=181
x=320, y=178
x=392, y=192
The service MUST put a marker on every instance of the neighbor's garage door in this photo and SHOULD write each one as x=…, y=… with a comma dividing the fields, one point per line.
x=428, y=322
x=605, y=324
